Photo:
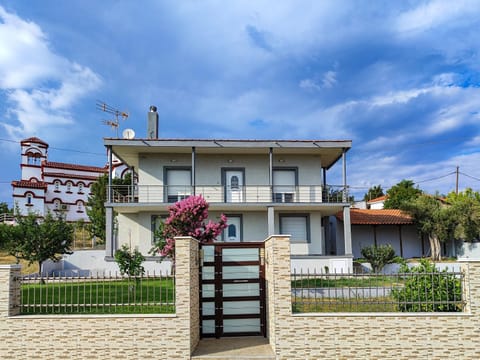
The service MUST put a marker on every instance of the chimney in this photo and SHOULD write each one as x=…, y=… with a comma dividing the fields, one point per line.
x=152, y=126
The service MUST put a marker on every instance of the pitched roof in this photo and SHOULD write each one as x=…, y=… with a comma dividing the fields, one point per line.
x=33, y=139
x=29, y=184
x=378, y=199
x=59, y=165
x=377, y=217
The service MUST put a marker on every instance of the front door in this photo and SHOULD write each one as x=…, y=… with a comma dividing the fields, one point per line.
x=232, y=294
x=234, y=186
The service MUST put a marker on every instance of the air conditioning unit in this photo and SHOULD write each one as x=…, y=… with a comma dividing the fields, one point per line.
x=63, y=207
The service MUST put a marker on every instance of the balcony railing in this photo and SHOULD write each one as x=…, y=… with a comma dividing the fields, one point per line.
x=227, y=194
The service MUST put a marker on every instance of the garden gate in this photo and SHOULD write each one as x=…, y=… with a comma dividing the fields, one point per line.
x=232, y=289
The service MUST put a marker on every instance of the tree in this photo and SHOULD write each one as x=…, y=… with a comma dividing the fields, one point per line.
x=96, y=204
x=378, y=256
x=401, y=193
x=466, y=211
x=37, y=240
x=374, y=192
x=4, y=209
x=129, y=262
x=187, y=218
x=433, y=220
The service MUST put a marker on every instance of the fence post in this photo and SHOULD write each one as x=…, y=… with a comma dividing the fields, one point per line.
x=9, y=290
x=187, y=292
x=279, y=293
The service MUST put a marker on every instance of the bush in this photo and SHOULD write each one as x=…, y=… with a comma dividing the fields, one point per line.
x=129, y=262
x=428, y=290
x=378, y=256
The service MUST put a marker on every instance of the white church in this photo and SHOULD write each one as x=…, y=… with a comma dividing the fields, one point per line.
x=53, y=186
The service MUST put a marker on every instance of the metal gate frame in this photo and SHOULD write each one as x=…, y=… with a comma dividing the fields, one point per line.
x=218, y=282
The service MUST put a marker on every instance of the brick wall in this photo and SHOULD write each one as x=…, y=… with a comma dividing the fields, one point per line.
x=105, y=336
x=367, y=336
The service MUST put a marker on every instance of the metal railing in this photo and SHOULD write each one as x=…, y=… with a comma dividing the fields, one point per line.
x=370, y=292
x=227, y=194
x=103, y=294
x=6, y=218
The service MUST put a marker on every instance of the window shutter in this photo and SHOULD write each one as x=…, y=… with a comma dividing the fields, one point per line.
x=295, y=226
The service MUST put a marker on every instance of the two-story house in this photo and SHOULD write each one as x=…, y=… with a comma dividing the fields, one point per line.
x=264, y=187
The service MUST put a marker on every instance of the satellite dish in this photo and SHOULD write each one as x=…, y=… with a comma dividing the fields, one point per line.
x=128, y=134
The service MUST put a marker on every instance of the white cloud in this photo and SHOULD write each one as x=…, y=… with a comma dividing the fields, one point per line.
x=309, y=84
x=329, y=79
x=434, y=14
x=39, y=85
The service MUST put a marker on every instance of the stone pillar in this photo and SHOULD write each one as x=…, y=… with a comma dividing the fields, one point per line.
x=187, y=292
x=347, y=230
x=279, y=293
x=9, y=290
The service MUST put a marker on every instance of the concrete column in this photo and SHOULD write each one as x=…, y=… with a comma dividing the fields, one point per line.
x=271, y=220
x=109, y=235
x=187, y=302
x=347, y=230
x=110, y=169
x=193, y=169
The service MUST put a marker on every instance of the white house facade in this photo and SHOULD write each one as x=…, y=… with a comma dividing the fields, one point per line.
x=52, y=186
x=264, y=187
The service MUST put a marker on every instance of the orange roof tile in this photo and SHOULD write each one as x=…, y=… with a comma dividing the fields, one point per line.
x=377, y=217
x=378, y=199
x=30, y=184
x=35, y=140
x=59, y=165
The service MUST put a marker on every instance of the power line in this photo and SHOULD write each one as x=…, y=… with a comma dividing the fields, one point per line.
x=470, y=176
x=435, y=178
x=60, y=149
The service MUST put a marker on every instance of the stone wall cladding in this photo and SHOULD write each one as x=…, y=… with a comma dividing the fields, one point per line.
x=371, y=336
x=105, y=336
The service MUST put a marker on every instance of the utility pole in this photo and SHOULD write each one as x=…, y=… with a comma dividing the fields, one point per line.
x=456, y=182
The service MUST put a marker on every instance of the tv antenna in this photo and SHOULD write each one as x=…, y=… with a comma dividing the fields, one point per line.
x=117, y=115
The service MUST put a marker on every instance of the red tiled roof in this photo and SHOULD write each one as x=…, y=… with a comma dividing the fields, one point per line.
x=69, y=176
x=30, y=184
x=378, y=199
x=59, y=165
x=377, y=217
x=35, y=140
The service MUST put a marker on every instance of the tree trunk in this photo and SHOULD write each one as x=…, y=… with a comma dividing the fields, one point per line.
x=435, y=248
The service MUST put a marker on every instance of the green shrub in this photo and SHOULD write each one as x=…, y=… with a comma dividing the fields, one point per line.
x=129, y=262
x=378, y=256
x=427, y=289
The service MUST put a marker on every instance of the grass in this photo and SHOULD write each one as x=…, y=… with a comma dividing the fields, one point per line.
x=6, y=259
x=146, y=296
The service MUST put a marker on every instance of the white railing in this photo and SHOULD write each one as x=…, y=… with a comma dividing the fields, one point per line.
x=221, y=194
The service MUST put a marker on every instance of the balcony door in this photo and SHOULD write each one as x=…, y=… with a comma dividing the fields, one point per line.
x=284, y=183
x=178, y=181
x=233, y=182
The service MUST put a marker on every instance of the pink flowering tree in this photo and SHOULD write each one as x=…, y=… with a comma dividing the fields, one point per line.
x=187, y=218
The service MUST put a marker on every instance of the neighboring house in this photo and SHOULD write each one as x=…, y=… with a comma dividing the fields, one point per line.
x=377, y=203
x=264, y=187
x=384, y=226
x=52, y=186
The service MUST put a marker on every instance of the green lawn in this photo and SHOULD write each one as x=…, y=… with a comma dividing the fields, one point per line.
x=99, y=297
x=353, y=281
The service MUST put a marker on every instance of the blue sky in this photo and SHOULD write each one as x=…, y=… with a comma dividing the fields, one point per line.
x=401, y=79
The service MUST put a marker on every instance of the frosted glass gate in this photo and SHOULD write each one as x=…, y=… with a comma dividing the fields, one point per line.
x=232, y=293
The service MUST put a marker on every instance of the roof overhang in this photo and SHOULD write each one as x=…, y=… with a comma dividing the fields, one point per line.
x=129, y=150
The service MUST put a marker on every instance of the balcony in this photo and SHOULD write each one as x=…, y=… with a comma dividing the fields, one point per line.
x=305, y=194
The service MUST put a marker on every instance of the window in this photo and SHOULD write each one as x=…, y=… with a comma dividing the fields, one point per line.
x=178, y=183
x=80, y=188
x=156, y=221
x=29, y=199
x=233, y=232
x=284, y=183
x=297, y=226
x=56, y=186
x=69, y=187
x=56, y=205
x=80, y=206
